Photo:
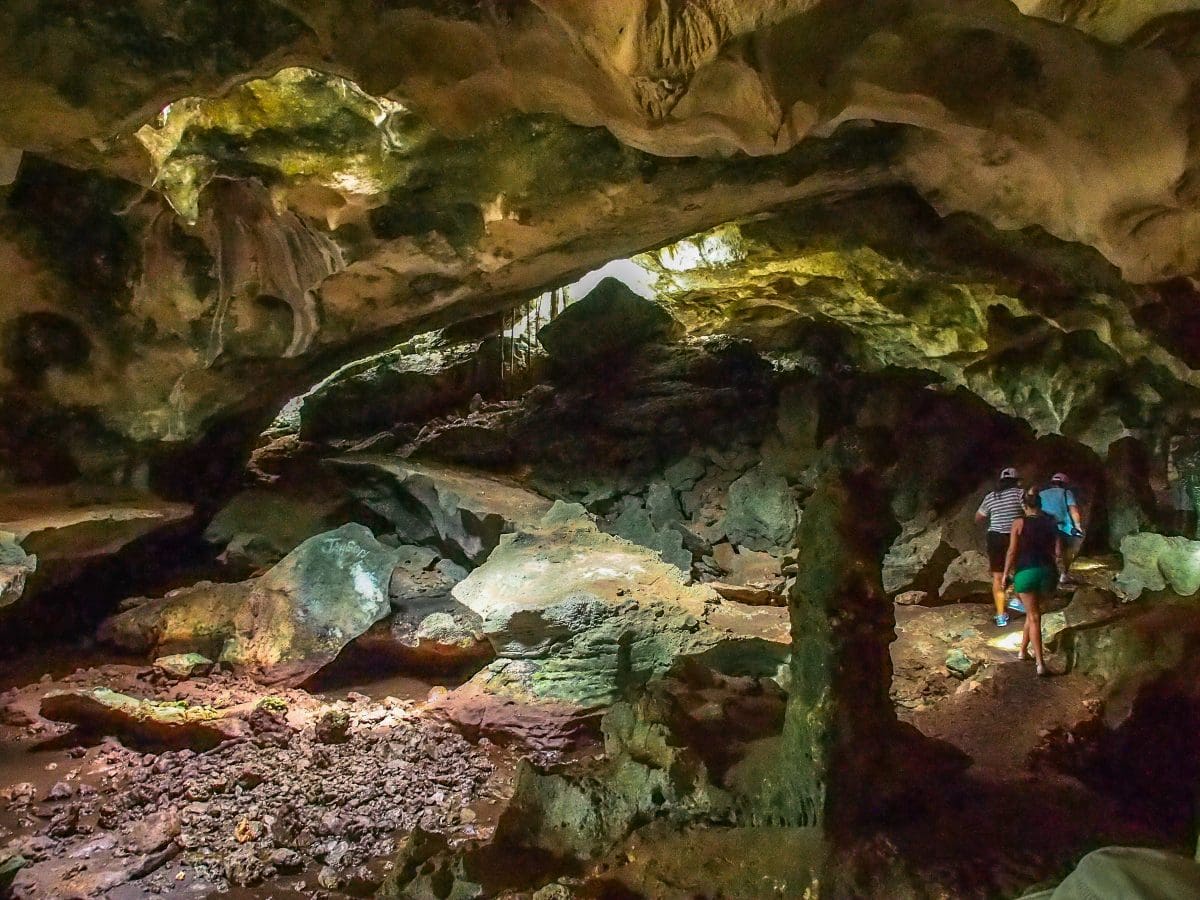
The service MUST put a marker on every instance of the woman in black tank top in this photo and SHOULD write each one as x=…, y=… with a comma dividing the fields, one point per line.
x=1039, y=537
x=1032, y=552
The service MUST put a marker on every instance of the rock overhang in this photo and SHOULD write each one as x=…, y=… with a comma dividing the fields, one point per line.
x=409, y=187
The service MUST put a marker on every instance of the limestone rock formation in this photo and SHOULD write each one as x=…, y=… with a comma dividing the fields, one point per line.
x=197, y=619
x=643, y=776
x=762, y=513
x=1154, y=642
x=246, y=218
x=66, y=531
x=501, y=703
x=322, y=595
x=824, y=774
x=183, y=665
x=101, y=711
x=966, y=576
x=609, y=320
x=462, y=512
x=578, y=617
x=15, y=567
x=259, y=526
x=636, y=523
x=405, y=384
x=428, y=631
x=831, y=266
x=1154, y=562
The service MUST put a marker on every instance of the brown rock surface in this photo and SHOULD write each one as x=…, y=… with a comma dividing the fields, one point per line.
x=103, y=712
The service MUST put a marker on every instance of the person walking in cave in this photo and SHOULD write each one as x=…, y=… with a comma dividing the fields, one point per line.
x=1000, y=508
x=1059, y=502
x=1183, y=462
x=1032, y=550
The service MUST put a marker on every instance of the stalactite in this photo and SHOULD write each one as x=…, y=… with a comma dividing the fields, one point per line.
x=260, y=250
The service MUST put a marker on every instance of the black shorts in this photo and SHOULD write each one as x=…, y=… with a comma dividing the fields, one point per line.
x=997, y=550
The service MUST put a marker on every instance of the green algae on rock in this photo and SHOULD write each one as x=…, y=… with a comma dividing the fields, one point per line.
x=318, y=598
x=598, y=616
x=105, y=711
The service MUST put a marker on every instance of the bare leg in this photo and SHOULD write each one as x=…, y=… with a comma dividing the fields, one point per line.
x=1070, y=550
x=998, y=592
x=1033, y=625
x=1023, y=653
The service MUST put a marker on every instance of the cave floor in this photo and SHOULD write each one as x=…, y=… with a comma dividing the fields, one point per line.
x=130, y=819
x=1000, y=808
x=987, y=808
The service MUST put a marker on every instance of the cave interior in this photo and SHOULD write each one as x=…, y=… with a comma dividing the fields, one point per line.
x=534, y=448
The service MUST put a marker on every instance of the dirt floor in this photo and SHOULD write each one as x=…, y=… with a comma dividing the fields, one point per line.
x=1014, y=813
x=130, y=819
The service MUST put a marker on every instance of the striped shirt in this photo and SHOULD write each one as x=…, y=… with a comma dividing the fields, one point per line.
x=1002, y=509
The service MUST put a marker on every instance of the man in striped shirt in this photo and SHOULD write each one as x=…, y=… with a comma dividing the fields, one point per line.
x=1000, y=508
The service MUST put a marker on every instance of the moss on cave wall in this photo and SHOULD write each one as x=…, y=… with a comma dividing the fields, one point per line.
x=1037, y=327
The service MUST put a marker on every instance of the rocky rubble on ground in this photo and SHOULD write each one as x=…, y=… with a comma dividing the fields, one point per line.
x=305, y=787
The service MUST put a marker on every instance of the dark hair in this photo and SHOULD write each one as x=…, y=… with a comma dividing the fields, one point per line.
x=1032, y=499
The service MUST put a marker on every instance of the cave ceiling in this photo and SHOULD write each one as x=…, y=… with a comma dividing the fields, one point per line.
x=208, y=203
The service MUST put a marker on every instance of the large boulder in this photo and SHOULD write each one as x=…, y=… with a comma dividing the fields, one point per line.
x=502, y=704
x=917, y=559
x=643, y=774
x=258, y=527
x=1154, y=562
x=321, y=596
x=1139, y=645
x=608, y=321
x=15, y=568
x=579, y=617
x=463, y=513
x=762, y=513
x=196, y=619
x=428, y=630
x=967, y=576
x=1088, y=607
x=638, y=523
x=423, y=629
x=937, y=554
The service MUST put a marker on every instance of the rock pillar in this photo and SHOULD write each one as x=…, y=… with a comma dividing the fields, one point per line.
x=839, y=716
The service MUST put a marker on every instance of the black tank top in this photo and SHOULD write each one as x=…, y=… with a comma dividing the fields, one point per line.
x=1038, y=537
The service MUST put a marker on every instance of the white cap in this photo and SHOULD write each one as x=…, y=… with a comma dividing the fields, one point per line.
x=1010, y=472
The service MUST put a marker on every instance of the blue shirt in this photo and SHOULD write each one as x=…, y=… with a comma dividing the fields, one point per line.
x=1057, y=502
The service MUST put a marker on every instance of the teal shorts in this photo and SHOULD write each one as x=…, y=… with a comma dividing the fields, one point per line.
x=1038, y=580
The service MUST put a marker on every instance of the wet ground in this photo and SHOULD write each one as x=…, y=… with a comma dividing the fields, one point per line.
x=284, y=810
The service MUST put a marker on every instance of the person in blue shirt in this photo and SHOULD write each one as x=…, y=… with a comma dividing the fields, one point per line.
x=1058, y=500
